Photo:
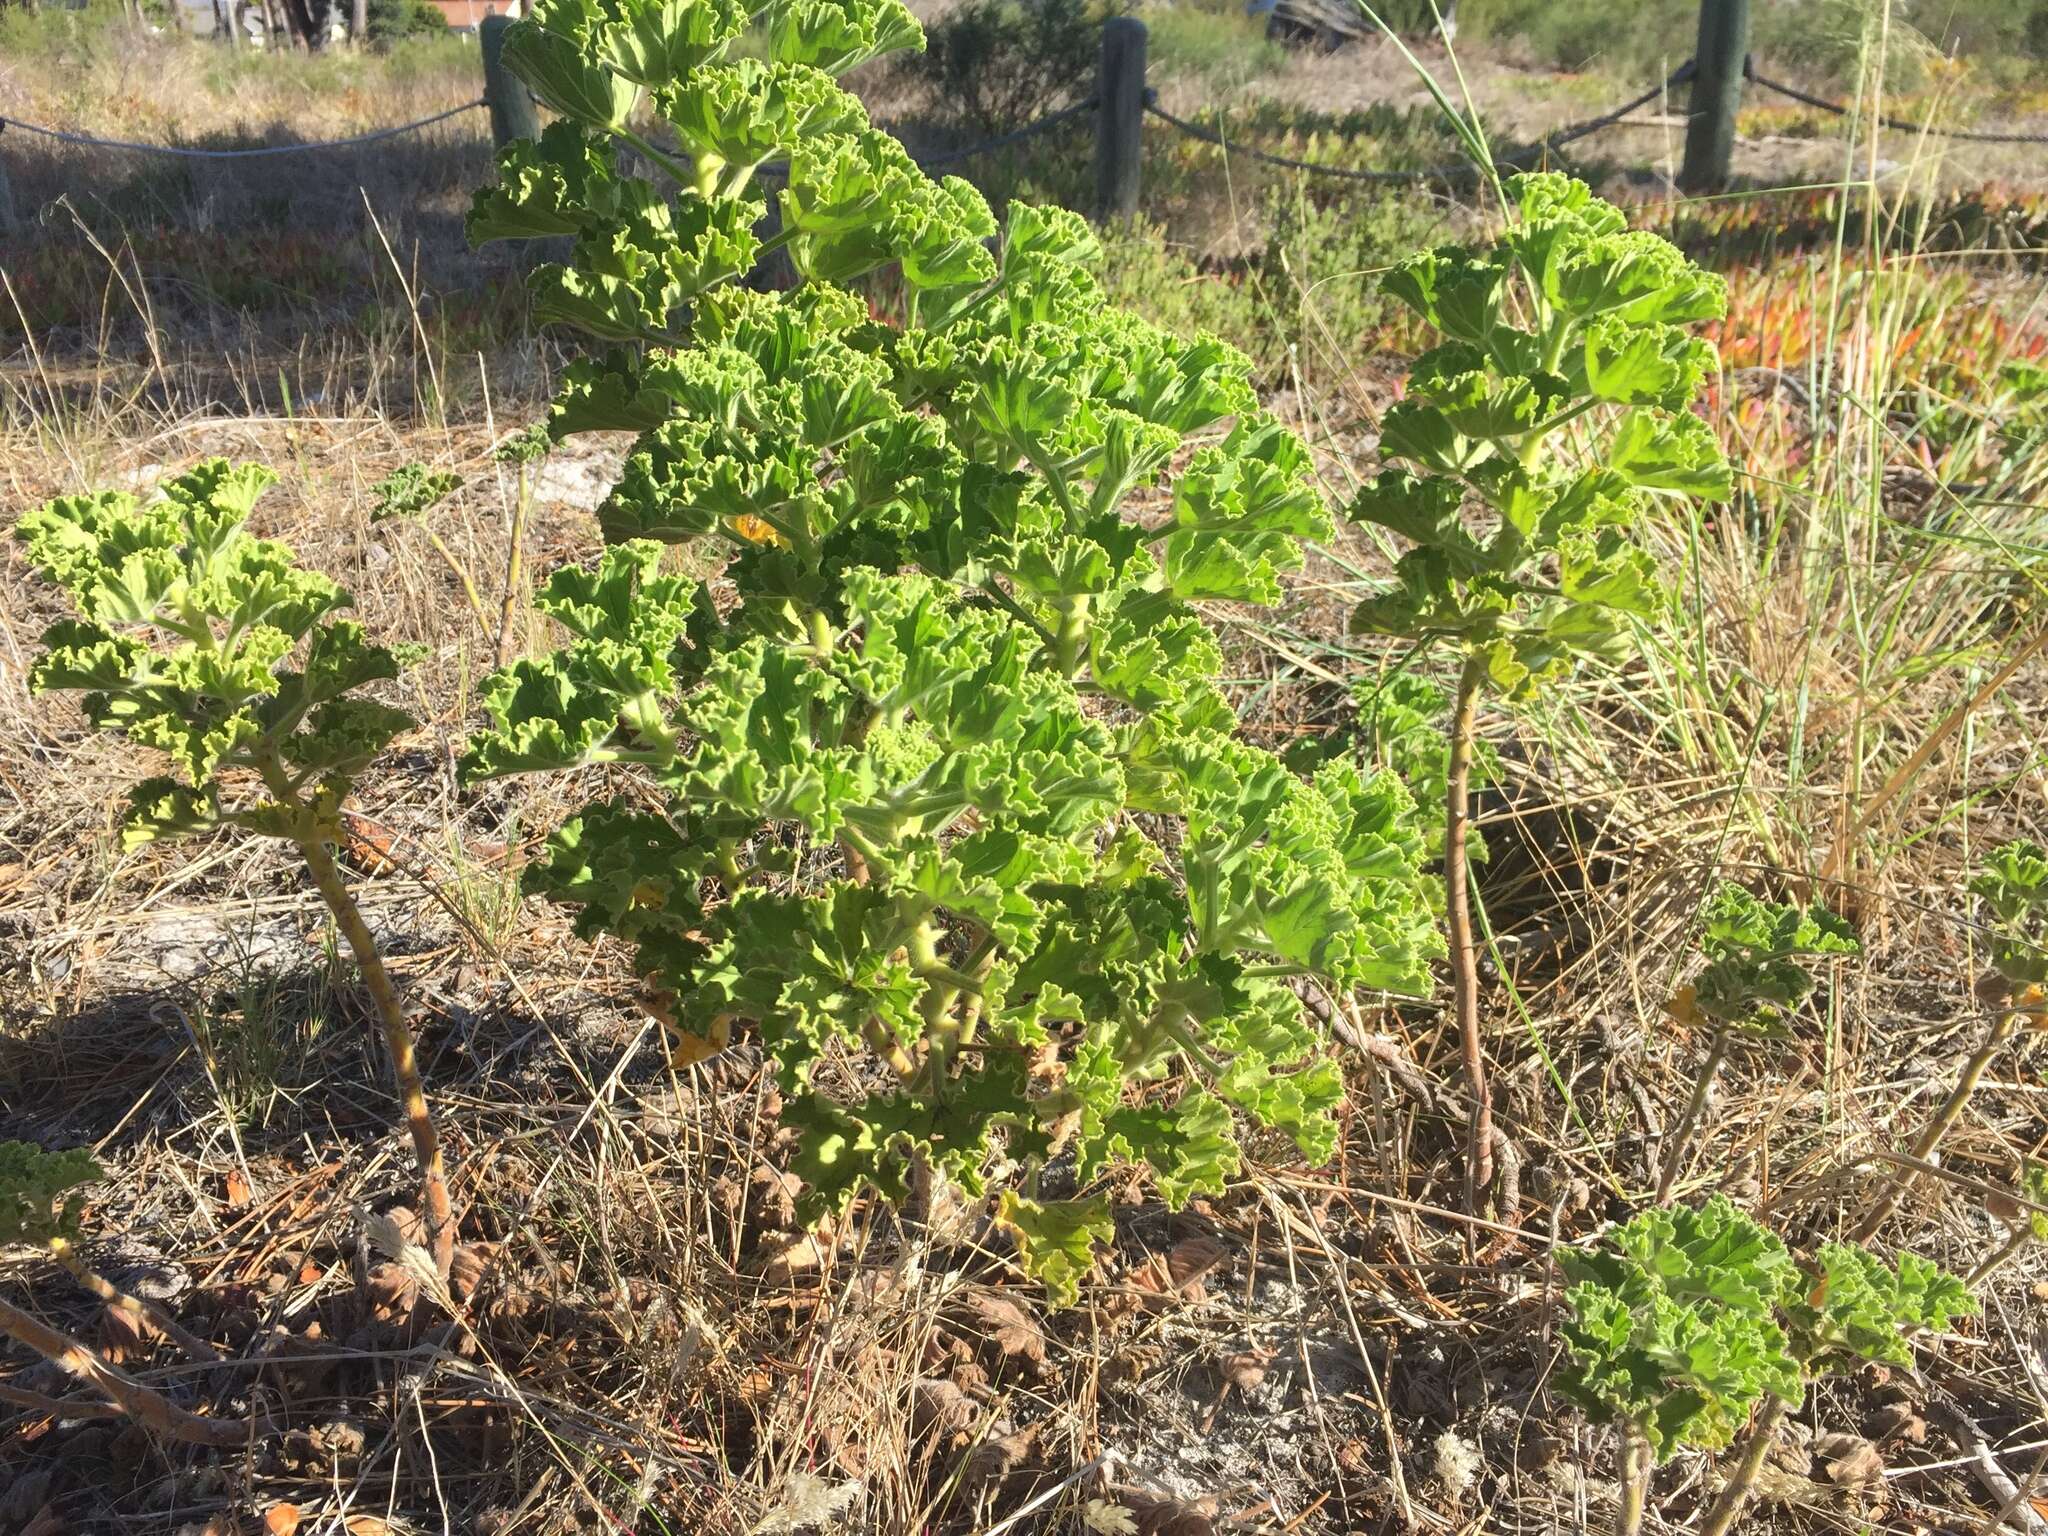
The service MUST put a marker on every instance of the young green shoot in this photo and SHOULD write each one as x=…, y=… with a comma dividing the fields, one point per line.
x=2014, y=889
x=407, y=494
x=1748, y=990
x=1519, y=463
x=1685, y=1322
x=219, y=652
x=41, y=1207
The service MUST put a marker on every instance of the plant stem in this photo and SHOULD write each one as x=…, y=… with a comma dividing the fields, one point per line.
x=147, y=1406
x=1464, y=949
x=146, y=1313
x=1681, y=1138
x=1944, y=1121
x=1635, y=1481
x=469, y=591
x=316, y=846
x=398, y=1041
x=514, y=570
x=1990, y=1266
x=1734, y=1495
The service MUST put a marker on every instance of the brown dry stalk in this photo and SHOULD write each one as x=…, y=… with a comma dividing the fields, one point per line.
x=1936, y=1130
x=1680, y=1145
x=1907, y=771
x=144, y=1404
x=1734, y=1495
x=146, y=1314
x=315, y=841
x=508, y=603
x=1636, y=1463
x=398, y=1041
x=1464, y=947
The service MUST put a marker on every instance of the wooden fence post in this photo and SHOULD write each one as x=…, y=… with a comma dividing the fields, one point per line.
x=8, y=223
x=513, y=115
x=1119, y=118
x=1716, y=94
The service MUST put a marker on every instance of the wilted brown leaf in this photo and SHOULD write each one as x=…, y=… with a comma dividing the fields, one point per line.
x=281, y=1519
x=1851, y=1462
x=785, y=1255
x=1189, y=1260
x=1160, y=1515
x=994, y=1460
x=1246, y=1370
x=937, y=1406
x=1009, y=1327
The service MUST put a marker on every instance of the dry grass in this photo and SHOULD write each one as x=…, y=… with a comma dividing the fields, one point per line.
x=643, y=1341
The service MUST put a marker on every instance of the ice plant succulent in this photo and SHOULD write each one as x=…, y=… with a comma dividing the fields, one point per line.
x=937, y=772
x=1751, y=984
x=1684, y=1321
x=2014, y=890
x=218, y=651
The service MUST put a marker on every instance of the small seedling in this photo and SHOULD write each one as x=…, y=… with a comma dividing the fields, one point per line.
x=407, y=494
x=2014, y=889
x=1559, y=399
x=40, y=1207
x=1684, y=1322
x=1848, y=1309
x=186, y=633
x=1749, y=988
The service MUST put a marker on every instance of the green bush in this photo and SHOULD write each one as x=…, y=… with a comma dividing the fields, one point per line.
x=394, y=20
x=994, y=65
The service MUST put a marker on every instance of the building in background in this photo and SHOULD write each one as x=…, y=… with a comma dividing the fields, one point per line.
x=466, y=15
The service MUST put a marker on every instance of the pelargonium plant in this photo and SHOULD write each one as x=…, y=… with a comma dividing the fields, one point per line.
x=935, y=780
x=1519, y=463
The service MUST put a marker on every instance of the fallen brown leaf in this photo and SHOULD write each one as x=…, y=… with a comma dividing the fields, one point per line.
x=937, y=1406
x=281, y=1519
x=1009, y=1327
x=1246, y=1370
x=1189, y=1260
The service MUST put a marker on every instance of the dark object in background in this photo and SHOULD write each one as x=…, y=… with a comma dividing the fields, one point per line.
x=994, y=65
x=1328, y=25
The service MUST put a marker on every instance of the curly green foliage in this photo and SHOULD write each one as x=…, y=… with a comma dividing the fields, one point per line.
x=1674, y=1327
x=1400, y=726
x=1753, y=979
x=39, y=1199
x=1522, y=552
x=2034, y=1187
x=410, y=491
x=945, y=776
x=185, y=635
x=1683, y=1320
x=1860, y=1308
x=2014, y=886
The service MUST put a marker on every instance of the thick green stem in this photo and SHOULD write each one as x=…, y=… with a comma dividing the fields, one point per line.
x=1464, y=947
x=1734, y=1496
x=1937, y=1129
x=1681, y=1138
x=1070, y=640
x=1635, y=1481
x=317, y=848
x=147, y=1406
